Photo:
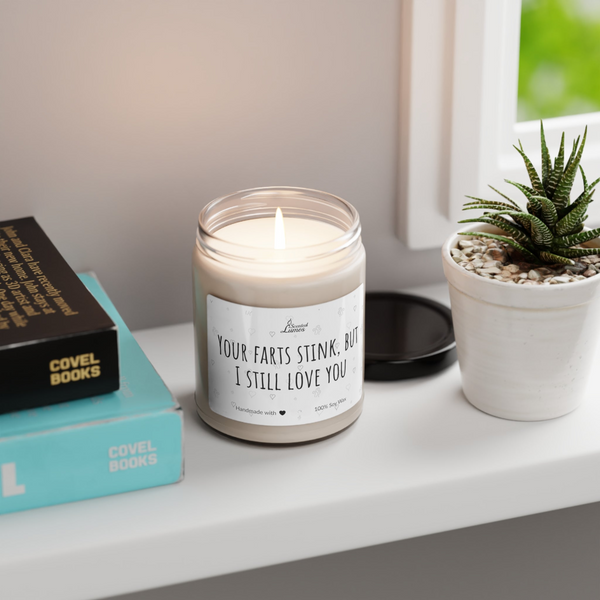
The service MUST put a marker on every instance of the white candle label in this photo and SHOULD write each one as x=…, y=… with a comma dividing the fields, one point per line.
x=285, y=366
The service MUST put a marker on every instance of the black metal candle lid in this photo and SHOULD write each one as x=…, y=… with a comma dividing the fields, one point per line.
x=406, y=336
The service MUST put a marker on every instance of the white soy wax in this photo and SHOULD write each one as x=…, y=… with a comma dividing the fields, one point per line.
x=260, y=233
x=279, y=315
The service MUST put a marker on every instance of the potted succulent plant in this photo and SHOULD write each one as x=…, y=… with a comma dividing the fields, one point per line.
x=524, y=289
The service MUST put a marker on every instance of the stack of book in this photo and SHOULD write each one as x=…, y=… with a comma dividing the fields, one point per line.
x=84, y=413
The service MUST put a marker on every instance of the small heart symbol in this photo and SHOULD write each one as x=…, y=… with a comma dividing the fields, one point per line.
x=271, y=333
x=212, y=362
x=354, y=370
x=272, y=396
x=340, y=311
x=233, y=404
x=282, y=412
x=300, y=367
x=348, y=387
x=354, y=307
x=251, y=331
x=252, y=394
x=337, y=345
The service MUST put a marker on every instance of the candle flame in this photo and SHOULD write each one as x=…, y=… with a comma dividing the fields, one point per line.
x=279, y=231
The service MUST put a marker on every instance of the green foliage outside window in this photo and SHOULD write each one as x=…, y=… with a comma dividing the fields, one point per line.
x=559, y=66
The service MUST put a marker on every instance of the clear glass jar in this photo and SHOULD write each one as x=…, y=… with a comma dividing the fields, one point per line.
x=279, y=332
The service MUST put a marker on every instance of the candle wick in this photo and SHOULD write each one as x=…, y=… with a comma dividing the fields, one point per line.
x=279, y=230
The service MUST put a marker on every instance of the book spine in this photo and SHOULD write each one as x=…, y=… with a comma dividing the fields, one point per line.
x=59, y=370
x=97, y=459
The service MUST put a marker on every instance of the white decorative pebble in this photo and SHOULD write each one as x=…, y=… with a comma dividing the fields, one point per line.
x=492, y=263
x=489, y=270
x=492, y=259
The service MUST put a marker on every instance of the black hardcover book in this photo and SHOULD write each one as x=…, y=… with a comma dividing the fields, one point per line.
x=56, y=341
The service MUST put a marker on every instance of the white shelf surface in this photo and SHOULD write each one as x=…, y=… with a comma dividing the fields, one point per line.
x=420, y=460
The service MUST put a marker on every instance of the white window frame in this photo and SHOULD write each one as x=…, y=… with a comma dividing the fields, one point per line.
x=458, y=108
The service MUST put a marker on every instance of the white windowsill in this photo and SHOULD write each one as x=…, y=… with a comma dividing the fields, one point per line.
x=420, y=460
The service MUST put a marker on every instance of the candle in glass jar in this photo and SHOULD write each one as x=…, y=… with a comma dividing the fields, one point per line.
x=279, y=315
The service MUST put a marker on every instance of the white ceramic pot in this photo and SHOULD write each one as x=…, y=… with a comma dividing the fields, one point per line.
x=525, y=352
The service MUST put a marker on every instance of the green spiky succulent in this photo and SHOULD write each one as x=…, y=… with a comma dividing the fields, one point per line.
x=552, y=225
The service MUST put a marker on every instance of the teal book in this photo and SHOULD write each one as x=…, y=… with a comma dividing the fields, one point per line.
x=118, y=442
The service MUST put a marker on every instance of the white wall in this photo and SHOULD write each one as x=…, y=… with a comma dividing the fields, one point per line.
x=120, y=119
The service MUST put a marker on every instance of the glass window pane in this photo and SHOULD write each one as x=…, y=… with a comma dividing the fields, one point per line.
x=559, y=64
